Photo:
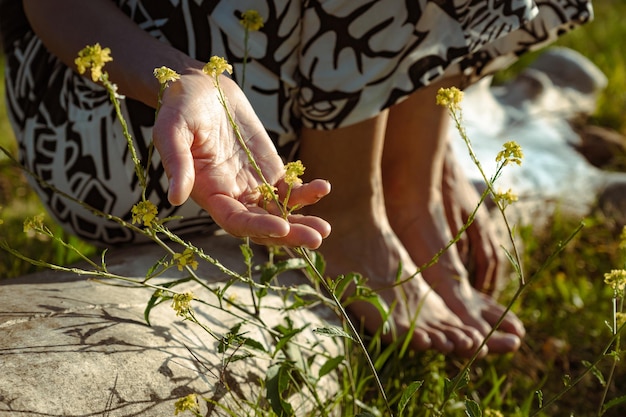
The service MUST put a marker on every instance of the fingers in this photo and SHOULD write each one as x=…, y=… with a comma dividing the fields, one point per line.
x=265, y=228
x=305, y=194
x=305, y=231
x=240, y=220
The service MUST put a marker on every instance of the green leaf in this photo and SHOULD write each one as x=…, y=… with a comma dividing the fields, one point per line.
x=153, y=268
x=472, y=409
x=319, y=264
x=596, y=372
x=285, y=339
x=233, y=337
x=276, y=385
x=235, y=358
x=332, y=332
x=155, y=300
x=228, y=338
x=102, y=256
x=270, y=271
x=363, y=293
x=614, y=402
x=457, y=383
x=407, y=394
x=247, y=253
x=254, y=344
x=157, y=297
x=339, y=284
x=330, y=365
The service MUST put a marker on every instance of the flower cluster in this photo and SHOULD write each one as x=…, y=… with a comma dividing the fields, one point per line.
x=293, y=172
x=616, y=279
x=33, y=224
x=512, y=153
x=188, y=403
x=144, y=212
x=94, y=57
x=251, y=20
x=268, y=192
x=181, y=303
x=185, y=259
x=450, y=98
x=165, y=75
x=216, y=66
x=505, y=198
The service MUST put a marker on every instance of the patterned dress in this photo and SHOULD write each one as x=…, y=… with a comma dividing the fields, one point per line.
x=322, y=64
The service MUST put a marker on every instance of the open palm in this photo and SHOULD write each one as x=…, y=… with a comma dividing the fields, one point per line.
x=204, y=160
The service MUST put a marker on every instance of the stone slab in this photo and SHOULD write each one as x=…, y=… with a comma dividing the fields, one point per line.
x=70, y=346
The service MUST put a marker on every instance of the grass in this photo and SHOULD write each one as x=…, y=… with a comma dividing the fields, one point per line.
x=17, y=202
x=565, y=309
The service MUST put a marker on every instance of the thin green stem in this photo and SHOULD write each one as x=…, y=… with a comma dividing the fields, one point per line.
x=351, y=326
x=244, y=145
x=575, y=382
x=112, y=89
x=616, y=352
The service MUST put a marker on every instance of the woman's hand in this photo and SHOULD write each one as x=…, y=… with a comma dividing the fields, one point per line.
x=204, y=160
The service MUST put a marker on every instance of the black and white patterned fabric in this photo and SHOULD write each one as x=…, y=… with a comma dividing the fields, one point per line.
x=319, y=64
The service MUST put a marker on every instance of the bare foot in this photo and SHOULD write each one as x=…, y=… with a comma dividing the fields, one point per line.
x=362, y=239
x=373, y=250
x=423, y=232
x=479, y=247
x=414, y=174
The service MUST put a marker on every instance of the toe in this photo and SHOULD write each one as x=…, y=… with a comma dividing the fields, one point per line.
x=500, y=343
x=510, y=323
x=440, y=342
x=421, y=341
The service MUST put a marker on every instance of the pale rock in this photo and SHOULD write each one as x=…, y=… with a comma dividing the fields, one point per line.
x=70, y=346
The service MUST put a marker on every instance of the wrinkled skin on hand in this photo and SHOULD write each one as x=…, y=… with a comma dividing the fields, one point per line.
x=204, y=160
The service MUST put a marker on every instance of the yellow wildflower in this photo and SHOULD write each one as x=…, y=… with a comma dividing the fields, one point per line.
x=616, y=279
x=490, y=412
x=293, y=172
x=512, y=152
x=216, y=66
x=188, y=403
x=450, y=98
x=164, y=75
x=181, y=303
x=505, y=198
x=251, y=20
x=33, y=224
x=94, y=57
x=185, y=259
x=268, y=192
x=144, y=212
x=232, y=299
